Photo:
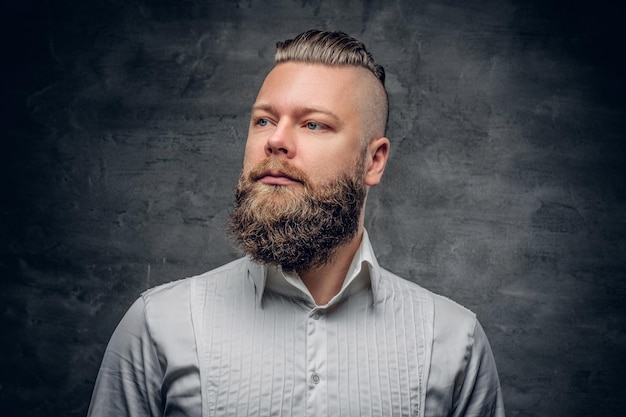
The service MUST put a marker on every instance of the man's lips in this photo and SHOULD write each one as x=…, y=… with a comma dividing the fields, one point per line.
x=273, y=177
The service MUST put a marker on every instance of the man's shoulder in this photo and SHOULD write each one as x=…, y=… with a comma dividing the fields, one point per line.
x=444, y=308
x=180, y=288
x=166, y=309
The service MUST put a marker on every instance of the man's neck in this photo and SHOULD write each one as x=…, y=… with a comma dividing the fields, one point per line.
x=326, y=281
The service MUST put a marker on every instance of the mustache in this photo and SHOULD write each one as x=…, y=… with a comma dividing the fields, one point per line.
x=272, y=165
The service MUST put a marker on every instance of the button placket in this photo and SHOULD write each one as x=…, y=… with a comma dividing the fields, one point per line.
x=316, y=362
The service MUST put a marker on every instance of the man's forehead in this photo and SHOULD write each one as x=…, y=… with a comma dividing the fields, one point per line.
x=318, y=80
x=315, y=71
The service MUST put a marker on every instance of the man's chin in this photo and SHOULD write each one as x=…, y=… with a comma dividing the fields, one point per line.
x=267, y=201
x=275, y=193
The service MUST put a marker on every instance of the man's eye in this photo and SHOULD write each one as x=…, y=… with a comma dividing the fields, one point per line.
x=313, y=126
x=262, y=122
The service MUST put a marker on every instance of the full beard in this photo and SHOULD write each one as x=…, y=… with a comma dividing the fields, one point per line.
x=299, y=228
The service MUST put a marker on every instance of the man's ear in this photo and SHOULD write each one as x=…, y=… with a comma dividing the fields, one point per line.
x=377, y=155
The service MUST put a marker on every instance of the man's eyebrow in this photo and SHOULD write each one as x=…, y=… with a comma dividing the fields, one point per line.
x=300, y=110
x=263, y=106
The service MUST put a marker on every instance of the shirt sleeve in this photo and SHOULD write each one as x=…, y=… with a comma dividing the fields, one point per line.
x=128, y=383
x=463, y=379
x=477, y=392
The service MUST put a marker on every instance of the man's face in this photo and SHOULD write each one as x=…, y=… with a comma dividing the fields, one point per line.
x=303, y=185
x=308, y=115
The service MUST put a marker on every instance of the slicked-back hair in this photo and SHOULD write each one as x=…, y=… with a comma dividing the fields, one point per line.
x=330, y=48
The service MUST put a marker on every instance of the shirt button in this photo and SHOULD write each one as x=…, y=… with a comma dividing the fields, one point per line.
x=316, y=316
x=315, y=378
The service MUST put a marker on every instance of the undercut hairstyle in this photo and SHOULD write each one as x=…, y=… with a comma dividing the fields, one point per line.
x=338, y=49
x=330, y=48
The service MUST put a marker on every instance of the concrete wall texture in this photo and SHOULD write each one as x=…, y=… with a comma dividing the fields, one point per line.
x=123, y=125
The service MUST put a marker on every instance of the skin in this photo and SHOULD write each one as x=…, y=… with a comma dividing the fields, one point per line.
x=314, y=117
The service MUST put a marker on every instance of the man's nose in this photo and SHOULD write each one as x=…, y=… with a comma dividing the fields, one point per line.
x=281, y=142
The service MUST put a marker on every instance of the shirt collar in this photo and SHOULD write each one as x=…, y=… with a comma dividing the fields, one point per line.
x=363, y=272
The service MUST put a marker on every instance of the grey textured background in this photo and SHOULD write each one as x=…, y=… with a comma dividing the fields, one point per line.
x=123, y=124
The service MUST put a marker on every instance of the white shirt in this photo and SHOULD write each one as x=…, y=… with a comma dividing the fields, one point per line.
x=245, y=340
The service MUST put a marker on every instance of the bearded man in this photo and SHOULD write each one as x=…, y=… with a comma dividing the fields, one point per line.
x=307, y=323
